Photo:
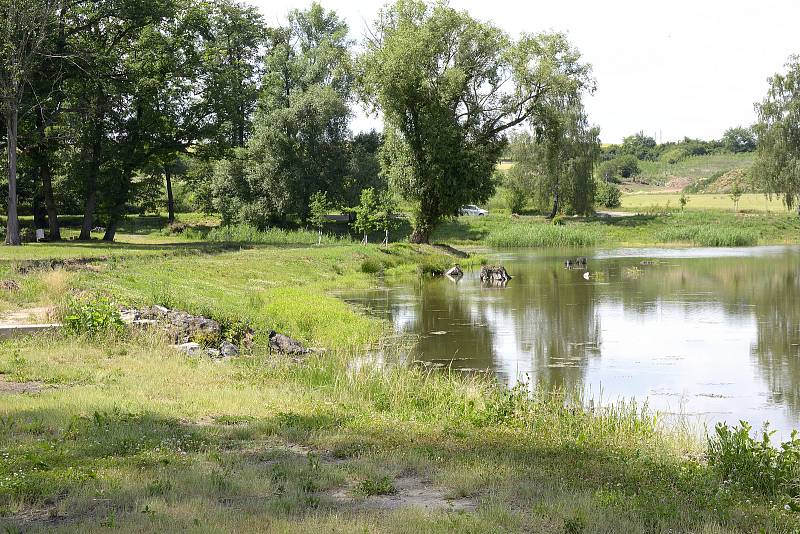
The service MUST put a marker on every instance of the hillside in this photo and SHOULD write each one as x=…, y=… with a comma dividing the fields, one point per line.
x=696, y=174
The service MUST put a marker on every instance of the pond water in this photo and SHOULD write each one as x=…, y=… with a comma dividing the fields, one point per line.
x=705, y=334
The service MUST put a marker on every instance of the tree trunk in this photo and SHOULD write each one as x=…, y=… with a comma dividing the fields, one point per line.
x=555, y=207
x=47, y=181
x=111, y=229
x=170, y=199
x=93, y=170
x=420, y=236
x=118, y=210
x=12, y=224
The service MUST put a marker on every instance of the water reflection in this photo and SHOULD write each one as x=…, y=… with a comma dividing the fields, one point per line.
x=711, y=332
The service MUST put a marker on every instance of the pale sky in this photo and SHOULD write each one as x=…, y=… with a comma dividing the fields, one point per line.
x=672, y=69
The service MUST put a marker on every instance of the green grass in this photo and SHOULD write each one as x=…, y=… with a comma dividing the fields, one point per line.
x=543, y=235
x=709, y=236
x=271, y=236
x=141, y=438
x=136, y=437
x=659, y=202
x=707, y=228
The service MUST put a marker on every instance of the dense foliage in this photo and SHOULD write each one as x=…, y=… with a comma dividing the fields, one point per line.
x=778, y=158
x=449, y=87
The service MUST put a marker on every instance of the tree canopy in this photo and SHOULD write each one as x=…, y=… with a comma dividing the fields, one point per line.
x=777, y=164
x=449, y=88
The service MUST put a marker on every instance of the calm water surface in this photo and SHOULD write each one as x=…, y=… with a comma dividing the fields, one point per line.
x=713, y=334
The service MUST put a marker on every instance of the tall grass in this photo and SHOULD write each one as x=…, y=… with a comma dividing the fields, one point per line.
x=709, y=236
x=242, y=233
x=542, y=235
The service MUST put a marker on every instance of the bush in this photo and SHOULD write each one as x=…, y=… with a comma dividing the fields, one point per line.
x=92, y=316
x=608, y=171
x=628, y=166
x=608, y=195
x=377, y=486
x=755, y=464
x=674, y=155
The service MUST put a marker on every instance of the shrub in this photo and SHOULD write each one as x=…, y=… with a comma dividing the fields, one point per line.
x=608, y=195
x=377, y=486
x=628, y=166
x=92, y=316
x=371, y=266
x=608, y=171
x=674, y=155
x=755, y=464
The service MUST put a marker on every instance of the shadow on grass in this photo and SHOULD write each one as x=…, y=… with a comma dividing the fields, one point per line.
x=60, y=462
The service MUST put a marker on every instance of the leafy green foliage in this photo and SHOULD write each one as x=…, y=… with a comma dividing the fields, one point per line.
x=628, y=166
x=739, y=139
x=640, y=146
x=300, y=132
x=608, y=171
x=92, y=316
x=449, y=86
x=556, y=163
x=319, y=207
x=674, y=155
x=777, y=164
x=383, y=485
x=736, y=194
x=367, y=213
x=608, y=195
x=756, y=464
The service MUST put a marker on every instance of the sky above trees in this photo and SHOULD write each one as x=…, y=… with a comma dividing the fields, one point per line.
x=686, y=68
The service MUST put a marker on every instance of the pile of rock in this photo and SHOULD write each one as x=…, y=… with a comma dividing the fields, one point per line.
x=285, y=344
x=195, y=334
x=189, y=333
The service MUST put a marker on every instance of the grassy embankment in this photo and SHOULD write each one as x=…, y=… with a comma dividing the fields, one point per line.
x=657, y=174
x=703, y=228
x=128, y=434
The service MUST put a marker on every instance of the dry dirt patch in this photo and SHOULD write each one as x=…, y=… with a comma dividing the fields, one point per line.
x=412, y=492
x=26, y=316
x=7, y=387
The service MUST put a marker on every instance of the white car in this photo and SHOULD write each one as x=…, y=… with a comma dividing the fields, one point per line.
x=471, y=209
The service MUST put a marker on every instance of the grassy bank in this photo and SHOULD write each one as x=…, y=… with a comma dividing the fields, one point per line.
x=702, y=228
x=127, y=434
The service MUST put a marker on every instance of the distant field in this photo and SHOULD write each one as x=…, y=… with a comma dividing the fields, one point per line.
x=750, y=202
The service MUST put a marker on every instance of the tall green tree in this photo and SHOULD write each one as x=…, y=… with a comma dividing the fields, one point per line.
x=232, y=38
x=558, y=160
x=300, y=139
x=24, y=28
x=449, y=87
x=777, y=164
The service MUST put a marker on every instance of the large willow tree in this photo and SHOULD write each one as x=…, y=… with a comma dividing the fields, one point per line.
x=449, y=88
x=777, y=164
